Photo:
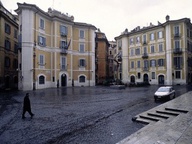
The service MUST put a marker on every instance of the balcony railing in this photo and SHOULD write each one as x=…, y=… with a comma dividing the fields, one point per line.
x=178, y=67
x=144, y=42
x=145, y=55
x=176, y=35
x=177, y=51
x=145, y=69
x=63, y=67
x=63, y=51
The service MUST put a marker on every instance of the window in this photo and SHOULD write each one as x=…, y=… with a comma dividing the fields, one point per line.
x=42, y=24
x=153, y=75
x=137, y=51
x=82, y=79
x=7, y=62
x=41, y=41
x=139, y=75
x=15, y=63
x=7, y=44
x=119, y=44
x=63, y=44
x=16, y=48
x=63, y=30
x=15, y=33
x=144, y=39
x=132, y=52
x=177, y=44
x=176, y=30
x=132, y=64
x=146, y=64
x=131, y=41
x=138, y=64
x=178, y=62
x=63, y=63
x=41, y=61
x=160, y=62
x=145, y=50
x=41, y=80
x=152, y=49
x=82, y=34
x=81, y=47
x=138, y=39
x=153, y=63
x=7, y=28
x=177, y=74
x=82, y=63
x=160, y=47
x=152, y=36
x=160, y=34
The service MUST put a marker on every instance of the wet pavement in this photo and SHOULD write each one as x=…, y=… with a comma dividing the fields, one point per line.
x=169, y=123
x=74, y=115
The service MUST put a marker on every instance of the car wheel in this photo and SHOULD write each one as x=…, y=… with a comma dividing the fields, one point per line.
x=168, y=97
x=155, y=99
x=174, y=95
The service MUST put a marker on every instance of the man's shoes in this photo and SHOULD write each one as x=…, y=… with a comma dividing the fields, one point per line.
x=23, y=117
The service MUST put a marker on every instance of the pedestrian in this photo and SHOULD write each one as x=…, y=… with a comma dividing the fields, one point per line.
x=27, y=106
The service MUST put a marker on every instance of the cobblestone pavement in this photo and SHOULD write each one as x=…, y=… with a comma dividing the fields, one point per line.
x=63, y=112
x=169, y=123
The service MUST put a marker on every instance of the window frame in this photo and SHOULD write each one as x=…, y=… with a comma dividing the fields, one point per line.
x=82, y=79
x=42, y=23
x=82, y=34
x=41, y=80
x=81, y=47
x=82, y=62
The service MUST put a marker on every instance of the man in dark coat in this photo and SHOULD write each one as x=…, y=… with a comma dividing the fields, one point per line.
x=27, y=106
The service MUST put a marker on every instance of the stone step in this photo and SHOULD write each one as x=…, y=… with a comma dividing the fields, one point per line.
x=149, y=118
x=143, y=121
x=176, y=110
x=168, y=113
x=158, y=115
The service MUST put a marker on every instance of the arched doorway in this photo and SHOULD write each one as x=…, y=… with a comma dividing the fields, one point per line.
x=132, y=79
x=161, y=80
x=7, y=84
x=63, y=80
x=145, y=78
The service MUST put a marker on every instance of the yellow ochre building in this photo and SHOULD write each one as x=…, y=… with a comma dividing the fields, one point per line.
x=157, y=54
x=54, y=51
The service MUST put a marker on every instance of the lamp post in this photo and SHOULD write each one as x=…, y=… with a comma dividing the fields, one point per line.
x=118, y=60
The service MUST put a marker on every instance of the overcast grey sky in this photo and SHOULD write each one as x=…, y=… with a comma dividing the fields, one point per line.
x=114, y=16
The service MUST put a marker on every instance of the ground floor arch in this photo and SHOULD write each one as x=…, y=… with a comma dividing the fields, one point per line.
x=145, y=78
x=161, y=80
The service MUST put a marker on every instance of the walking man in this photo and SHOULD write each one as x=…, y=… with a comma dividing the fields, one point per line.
x=27, y=106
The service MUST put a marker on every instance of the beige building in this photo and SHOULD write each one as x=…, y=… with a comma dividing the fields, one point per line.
x=158, y=54
x=55, y=51
x=8, y=49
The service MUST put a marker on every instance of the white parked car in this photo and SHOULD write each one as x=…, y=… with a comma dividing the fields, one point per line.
x=164, y=92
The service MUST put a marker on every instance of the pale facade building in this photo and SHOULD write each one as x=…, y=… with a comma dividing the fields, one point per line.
x=54, y=51
x=158, y=54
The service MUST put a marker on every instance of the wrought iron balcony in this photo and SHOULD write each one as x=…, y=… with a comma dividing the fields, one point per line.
x=144, y=42
x=63, y=34
x=177, y=51
x=178, y=67
x=63, y=67
x=176, y=35
x=63, y=50
x=145, y=69
x=145, y=55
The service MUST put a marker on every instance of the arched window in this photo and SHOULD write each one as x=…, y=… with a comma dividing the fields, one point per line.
x=41, y=80
x=82, y=79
